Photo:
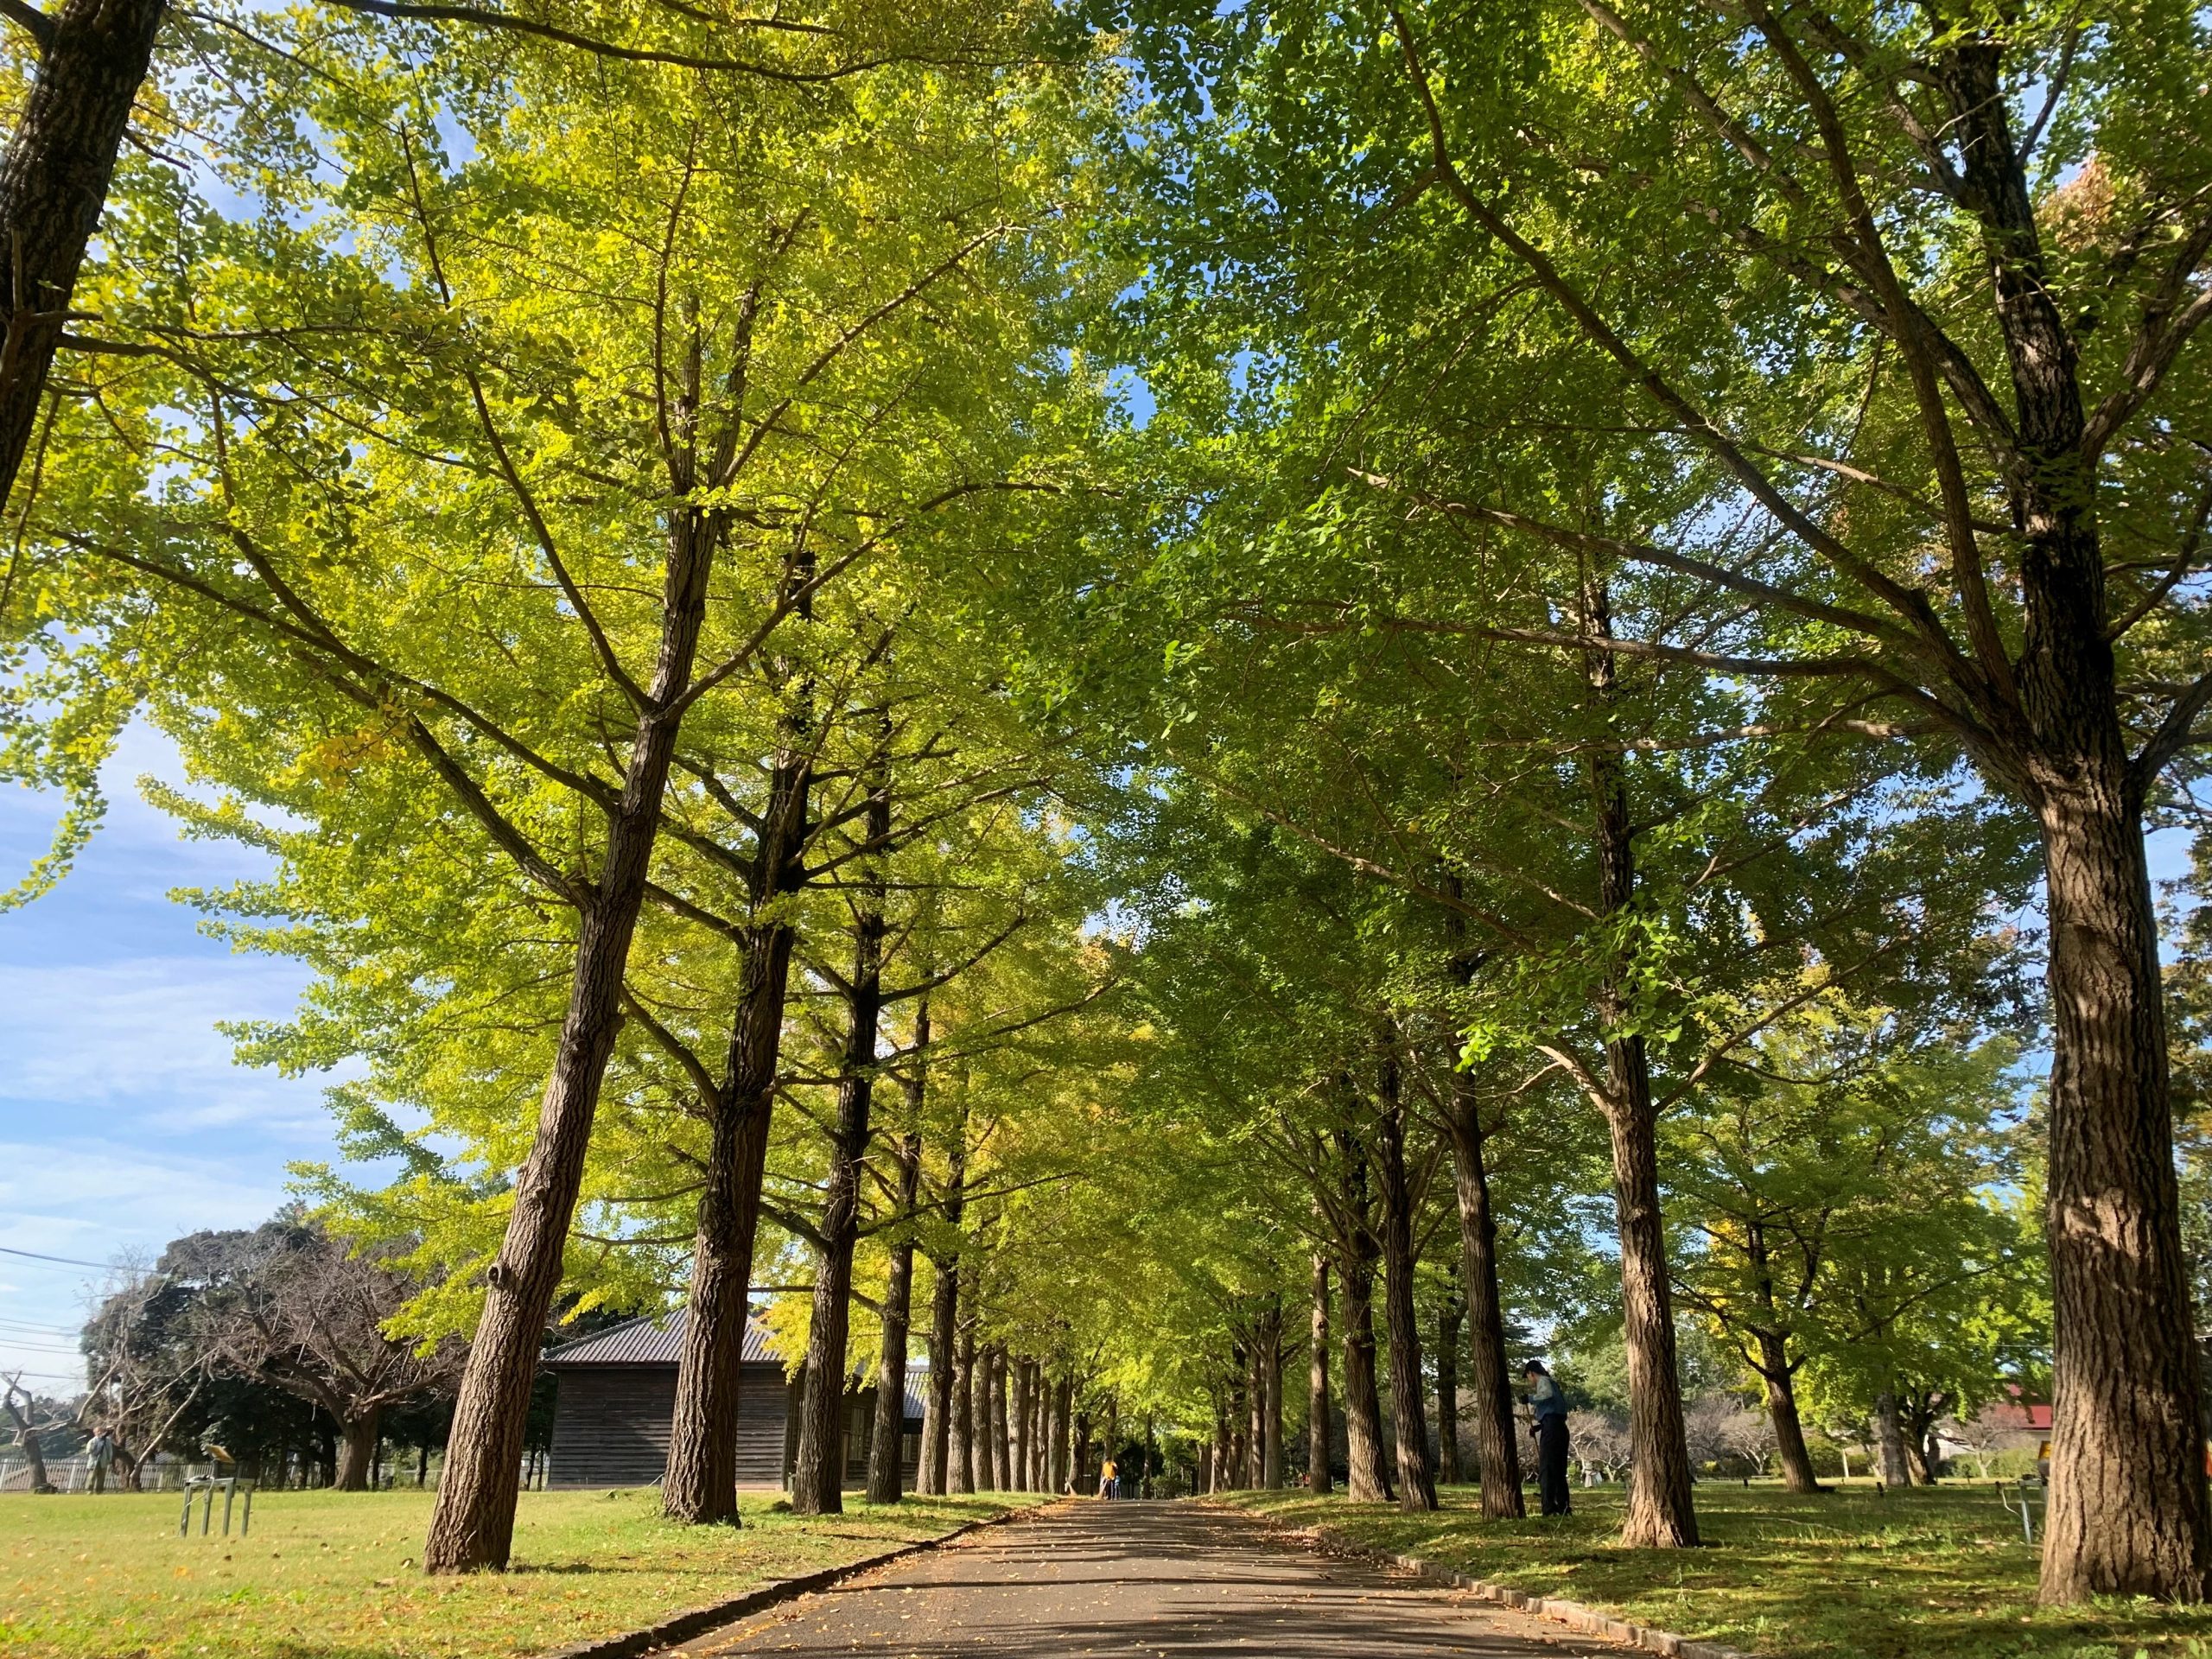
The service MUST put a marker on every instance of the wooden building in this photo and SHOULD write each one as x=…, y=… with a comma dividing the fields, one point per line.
x=615, y=1395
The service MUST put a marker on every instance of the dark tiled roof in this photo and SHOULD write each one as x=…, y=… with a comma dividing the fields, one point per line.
x=660, y=1341
x=650, y=1342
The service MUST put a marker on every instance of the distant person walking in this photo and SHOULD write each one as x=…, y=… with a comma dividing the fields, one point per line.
x=99, y=1452
x=1549, y=1404
x=1107, y=1473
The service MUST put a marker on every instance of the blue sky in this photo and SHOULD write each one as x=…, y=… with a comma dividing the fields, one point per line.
x=123, y=1122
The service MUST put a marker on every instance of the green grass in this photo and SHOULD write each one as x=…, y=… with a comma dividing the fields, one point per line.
x=334, y=1575
x=1847, y=1576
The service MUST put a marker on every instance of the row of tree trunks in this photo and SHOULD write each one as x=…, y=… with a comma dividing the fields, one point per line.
x=818, y=1479
x=1408, y=1411
x=473, y=1522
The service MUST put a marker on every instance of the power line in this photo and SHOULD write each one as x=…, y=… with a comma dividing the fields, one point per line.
x=65, y=1261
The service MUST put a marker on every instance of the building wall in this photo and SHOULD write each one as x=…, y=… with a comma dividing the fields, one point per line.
x=611, y=1423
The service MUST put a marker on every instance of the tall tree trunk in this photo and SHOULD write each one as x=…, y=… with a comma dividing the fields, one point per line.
x=700, y=1484
x=471, y=1524
x=93, y=55
x=887, y=1449
x=818, y=1482
x=357, y=1451
x=963, y=1409
x=1270, y=1350
x=1001, y=1479
x=1251, y=1396
x=1447, y=1392
x=1025, y=1391
x=1497, y=1452
x=1779, y=1377
x=1660, y=1512
x=1408, y=1411
x=2128, y=1512
x=1890, y=1465
x=1062, y=1427
x=1369, y=1479
x=936, y=1423
x=1777, y=1371
x=1317, y=1477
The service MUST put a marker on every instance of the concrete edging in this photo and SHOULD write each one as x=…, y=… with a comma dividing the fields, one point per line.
x=685, y=1626
x=1572, y=1614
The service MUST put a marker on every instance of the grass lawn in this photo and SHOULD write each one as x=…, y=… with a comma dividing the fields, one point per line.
x=334, y=1575
x=1847, y=1575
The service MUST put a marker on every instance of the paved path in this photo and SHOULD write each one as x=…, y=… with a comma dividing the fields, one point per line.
x=1139, y=1581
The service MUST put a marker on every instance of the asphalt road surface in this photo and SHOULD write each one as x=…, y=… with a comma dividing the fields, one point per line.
x=1139, y=1581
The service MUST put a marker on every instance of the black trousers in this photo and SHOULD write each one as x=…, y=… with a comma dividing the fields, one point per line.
x=1551, y=1464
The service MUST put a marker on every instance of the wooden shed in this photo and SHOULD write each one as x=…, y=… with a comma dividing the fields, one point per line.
x=615, y=1395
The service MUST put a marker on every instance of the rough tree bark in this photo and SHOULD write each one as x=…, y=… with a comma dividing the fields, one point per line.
x=1317, y=1477
x=1408, y=1411
x=473, y=1523
x=93, y=55
x=1660, y=1512
x=1447, y=1391
x=700, y=1484
x=819, y=1479
x=2128, y=1512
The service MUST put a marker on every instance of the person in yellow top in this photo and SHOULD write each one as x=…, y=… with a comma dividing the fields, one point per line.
x=1106, y=1474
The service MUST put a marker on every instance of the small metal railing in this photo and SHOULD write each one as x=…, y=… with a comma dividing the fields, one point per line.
x=2025, y=1498
x=230, y=1485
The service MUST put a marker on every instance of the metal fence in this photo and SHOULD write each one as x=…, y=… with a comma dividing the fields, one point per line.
x=75, y=1474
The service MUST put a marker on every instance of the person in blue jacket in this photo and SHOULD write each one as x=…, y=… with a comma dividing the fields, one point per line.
x=1548, y=1402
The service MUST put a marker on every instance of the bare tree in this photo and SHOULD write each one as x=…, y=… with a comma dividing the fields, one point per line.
x=1600, y=1440
x=290, y=1306
x=141, y=1364
x=21, y=1407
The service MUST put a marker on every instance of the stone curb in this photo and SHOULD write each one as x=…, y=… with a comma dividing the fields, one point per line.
x=683, y=1627
x=1572, y=1614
